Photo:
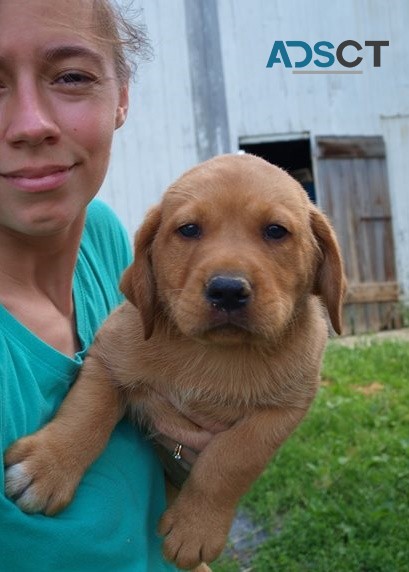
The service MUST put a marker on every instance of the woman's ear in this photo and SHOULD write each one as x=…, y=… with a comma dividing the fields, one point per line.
x=329, y=282
x=138, y=281
x=122, y=107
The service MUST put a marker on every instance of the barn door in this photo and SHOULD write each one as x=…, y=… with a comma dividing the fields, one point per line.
x=352, y=187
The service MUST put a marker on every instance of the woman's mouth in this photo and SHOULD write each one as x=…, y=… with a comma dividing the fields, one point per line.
x=35, y=180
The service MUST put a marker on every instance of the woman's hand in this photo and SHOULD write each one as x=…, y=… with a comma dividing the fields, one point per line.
x=189, y=443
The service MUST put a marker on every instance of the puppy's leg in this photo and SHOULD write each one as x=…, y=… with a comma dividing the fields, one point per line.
x=197, y=523
x=171, y=495
x=44, y=469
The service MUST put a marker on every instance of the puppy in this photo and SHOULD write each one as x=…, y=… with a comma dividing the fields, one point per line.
x=224, y=317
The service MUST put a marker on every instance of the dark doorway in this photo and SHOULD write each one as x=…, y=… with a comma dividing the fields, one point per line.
x=293, y=155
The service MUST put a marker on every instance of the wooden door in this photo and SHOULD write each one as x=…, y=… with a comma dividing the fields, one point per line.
x=352, y=189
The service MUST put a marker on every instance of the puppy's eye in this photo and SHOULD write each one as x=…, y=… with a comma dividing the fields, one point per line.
x=190, y=230
x=275, y=232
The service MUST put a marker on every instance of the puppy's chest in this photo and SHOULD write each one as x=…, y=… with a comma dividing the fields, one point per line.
x=226, y=384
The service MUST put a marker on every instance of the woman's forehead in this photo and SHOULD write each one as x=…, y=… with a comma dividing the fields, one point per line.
x=43, y=24
x=47, y=10
x=74, y=17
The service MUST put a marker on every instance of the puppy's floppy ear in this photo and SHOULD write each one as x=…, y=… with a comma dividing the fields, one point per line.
x=138, y=281
x=329, y=282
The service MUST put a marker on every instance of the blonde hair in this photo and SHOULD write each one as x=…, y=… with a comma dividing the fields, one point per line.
x=120, y=27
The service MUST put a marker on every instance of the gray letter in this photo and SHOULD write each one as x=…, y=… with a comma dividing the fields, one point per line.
x=377, y=50
x=340, y=57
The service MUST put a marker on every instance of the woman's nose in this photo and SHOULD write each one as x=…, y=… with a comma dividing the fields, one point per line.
x=30, y=118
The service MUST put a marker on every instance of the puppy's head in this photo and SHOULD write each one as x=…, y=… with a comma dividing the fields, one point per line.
x=233, y=252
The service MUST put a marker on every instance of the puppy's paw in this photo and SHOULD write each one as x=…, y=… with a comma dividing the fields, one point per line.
x=39, y=474
x=193, y=533
x=202, y=568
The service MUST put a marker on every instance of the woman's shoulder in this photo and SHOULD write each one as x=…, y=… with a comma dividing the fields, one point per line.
x=100, y=217
x=105, y=235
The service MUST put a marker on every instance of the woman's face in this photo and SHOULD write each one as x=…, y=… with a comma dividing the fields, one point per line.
x=60, y=102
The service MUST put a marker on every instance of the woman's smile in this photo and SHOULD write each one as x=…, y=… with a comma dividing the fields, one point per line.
x=37, y=180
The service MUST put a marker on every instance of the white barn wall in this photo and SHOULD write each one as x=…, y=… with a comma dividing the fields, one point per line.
x=272, y=101
x=159, y=140
x=396, y=133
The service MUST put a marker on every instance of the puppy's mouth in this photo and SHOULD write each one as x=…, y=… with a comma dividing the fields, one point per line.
x=221, y=319
x=228, y=330
x=227, y=326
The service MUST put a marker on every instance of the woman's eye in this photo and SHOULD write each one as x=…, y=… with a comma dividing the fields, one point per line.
x=190, y=230
x=74, y=78
x=275, y=232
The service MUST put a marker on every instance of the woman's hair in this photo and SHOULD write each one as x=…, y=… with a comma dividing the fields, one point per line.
x=119, y=27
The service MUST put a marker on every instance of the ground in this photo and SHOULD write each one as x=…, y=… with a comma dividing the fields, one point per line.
x=246, y=535
x=351, y=341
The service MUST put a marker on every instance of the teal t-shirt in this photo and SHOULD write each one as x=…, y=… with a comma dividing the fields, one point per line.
x=111, y=523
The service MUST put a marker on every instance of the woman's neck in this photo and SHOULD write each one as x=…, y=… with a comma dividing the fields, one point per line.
x=40, y=264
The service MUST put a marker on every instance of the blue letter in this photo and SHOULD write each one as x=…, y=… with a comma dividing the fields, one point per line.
x=278, y=47
x=306, y=48
x=328, y=55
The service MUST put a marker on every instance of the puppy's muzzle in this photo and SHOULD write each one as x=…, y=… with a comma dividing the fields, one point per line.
x=228, y=293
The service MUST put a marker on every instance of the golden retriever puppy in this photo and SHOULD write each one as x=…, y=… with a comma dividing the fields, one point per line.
x=224, y=316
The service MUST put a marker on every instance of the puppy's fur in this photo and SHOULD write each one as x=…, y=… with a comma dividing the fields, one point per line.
x=224, y=317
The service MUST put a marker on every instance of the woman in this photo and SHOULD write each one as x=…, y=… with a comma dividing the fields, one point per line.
x=63, y=92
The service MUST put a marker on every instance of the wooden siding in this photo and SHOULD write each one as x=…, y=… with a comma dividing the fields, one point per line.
x=353, y=191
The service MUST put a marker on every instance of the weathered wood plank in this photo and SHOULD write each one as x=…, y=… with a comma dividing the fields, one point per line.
x=336, y=200
x=372, y=292
x=350, y=147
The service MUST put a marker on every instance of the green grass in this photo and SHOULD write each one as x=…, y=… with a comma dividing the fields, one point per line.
x=335, y=498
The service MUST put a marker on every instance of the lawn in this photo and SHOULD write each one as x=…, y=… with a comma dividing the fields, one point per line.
x=335, y=498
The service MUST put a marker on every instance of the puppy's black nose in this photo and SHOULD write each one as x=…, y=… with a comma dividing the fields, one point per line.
x=228, y=292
